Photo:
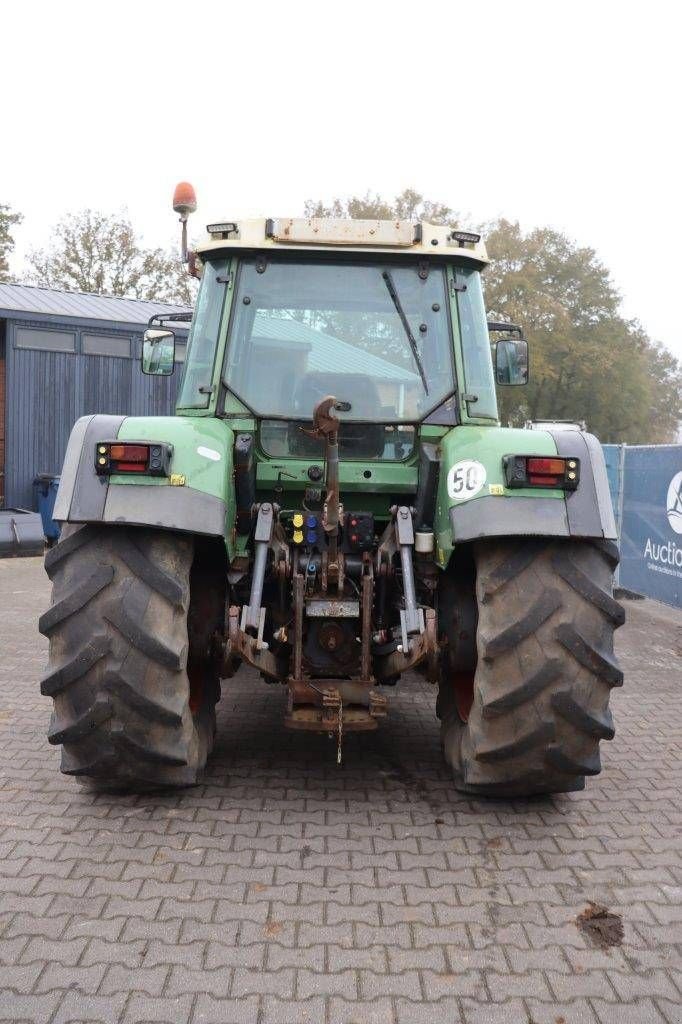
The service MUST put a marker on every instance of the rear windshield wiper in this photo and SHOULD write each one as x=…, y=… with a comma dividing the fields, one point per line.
x=408, y=331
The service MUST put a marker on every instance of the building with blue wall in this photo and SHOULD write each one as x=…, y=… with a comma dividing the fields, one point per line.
x=64, y=355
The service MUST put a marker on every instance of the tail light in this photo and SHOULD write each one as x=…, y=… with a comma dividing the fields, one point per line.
x=146, y=458
x=541, y=471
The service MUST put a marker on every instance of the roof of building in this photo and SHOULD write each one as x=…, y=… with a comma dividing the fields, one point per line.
x=23, y=298
x=327, y=352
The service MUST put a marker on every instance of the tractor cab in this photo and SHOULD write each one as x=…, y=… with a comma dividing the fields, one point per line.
x=284, y=305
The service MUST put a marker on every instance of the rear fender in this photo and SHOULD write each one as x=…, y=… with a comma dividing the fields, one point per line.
x=483, y=506
x=198, y=501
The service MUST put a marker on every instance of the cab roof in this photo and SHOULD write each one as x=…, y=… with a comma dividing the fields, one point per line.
x=397, y=237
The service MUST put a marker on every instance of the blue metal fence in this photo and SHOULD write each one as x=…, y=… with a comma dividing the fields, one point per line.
x=646, y=489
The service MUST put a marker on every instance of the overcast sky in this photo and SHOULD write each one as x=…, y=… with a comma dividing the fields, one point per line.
x=553, y=113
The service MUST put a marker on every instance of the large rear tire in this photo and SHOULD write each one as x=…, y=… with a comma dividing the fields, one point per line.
x=125, y=710
x=544, y=670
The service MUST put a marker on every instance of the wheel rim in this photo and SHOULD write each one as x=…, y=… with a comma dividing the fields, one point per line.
x=196, y=672
x=463, y=688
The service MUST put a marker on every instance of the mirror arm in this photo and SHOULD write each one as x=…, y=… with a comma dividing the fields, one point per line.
x=507, y=328
x=159, y=319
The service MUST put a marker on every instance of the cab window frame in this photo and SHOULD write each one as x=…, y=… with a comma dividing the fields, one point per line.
x=433, y=264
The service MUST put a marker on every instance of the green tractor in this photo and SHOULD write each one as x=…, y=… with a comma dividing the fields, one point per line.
x=334, y=504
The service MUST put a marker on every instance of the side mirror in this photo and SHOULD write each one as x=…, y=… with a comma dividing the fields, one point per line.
x=158, y=352
x=511, y=361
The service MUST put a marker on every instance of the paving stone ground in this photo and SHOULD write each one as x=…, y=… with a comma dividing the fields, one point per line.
x=287, y=889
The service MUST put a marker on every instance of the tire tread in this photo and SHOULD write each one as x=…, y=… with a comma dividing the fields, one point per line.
x=545, y=669
x=543, y=607
x=118, y=655
x=60, y=678
x=81, y=595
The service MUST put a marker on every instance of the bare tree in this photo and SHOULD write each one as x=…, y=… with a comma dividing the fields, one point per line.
x=97, y=252
x=409, y=205
x=8, y=220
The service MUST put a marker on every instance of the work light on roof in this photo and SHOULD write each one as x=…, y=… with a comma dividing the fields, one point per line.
x=223, y=228
x=465, y=237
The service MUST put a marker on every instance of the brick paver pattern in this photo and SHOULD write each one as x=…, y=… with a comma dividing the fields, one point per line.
x=287, y=889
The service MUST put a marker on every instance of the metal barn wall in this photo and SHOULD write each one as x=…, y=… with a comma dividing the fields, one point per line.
x=48, y=391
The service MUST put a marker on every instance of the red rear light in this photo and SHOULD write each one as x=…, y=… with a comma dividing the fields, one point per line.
x=545, y=480
x=129, y=453
x=133, y=457
x=541, y=471
x=546, y=467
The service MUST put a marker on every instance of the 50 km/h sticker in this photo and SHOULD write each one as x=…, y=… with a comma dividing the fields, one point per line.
x=465, y=479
